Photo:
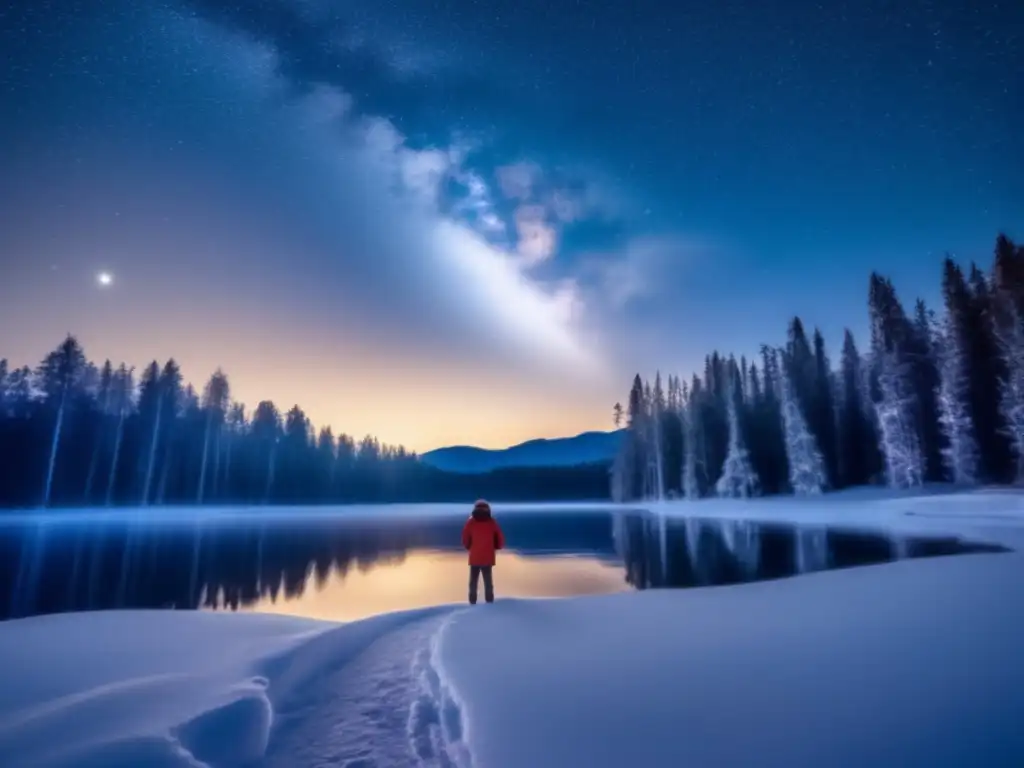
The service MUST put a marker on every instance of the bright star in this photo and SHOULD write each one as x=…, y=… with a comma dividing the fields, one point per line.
x=104, y=279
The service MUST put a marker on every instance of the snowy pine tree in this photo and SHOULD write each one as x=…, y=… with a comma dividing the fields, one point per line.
x=691, y=489
x=896, y=402
x=768, y=446
x=856, y=434
x=1008, y=302
x=960, y=455
x=806, y=467
x=657, y=442
x=823, y=410
x=988, y=374
x=1011, y=396
x=738, y=479
x=904, y=462
x=629, y=469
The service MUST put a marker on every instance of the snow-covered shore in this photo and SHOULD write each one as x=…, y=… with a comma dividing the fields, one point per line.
x=911, y=663
x=994, y=516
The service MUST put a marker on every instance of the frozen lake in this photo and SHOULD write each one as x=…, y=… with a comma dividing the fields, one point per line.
x=336, y=565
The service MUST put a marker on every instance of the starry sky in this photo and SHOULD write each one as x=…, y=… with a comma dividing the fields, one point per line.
x=471, y=221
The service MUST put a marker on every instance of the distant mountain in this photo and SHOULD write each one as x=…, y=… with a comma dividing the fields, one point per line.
x=588, y=448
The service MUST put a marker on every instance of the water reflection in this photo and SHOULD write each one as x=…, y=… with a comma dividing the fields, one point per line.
x=423, y=579
x=694, y=552
x=339, y=568
x=64, y=564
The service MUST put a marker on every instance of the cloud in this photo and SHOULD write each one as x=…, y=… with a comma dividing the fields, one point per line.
x=536, y=238
x=473, y=202
x=566, y=207
x=645, y=271
x=517, y=180
x=414, y=236
x=541, y=320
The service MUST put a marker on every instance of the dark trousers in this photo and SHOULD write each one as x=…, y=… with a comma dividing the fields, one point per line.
x=474, y=578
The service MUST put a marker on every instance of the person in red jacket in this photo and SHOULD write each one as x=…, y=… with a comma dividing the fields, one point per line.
x=482, y=538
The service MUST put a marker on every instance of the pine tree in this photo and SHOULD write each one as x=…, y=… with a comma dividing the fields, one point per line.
x=769, y=448
x=807, y=475
x=755, y=384
x=19, y=392
x=857, y=440
x=327, y=458
x=1008, y=316
x=925, y=365
x=961, y=451
x=657, y=418
x=700, y=396
x=618, y=470
x=104, y=395
x=738, y=478
x=123, y=387
x=296, y=448
x=988, y=373
x=215, y=401
x=801, y=367
x=59, y=375
x=3, y=387
x=811, y=380
x=691, y=442
x=896, y=404
x=824, y=410
x=266, y=428
x=713, y=430
x=151, y=404
x=629, y=468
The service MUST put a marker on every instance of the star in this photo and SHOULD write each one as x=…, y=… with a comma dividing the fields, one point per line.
x=104, y=279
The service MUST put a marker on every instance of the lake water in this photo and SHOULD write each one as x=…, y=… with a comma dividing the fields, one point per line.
x=337, y=566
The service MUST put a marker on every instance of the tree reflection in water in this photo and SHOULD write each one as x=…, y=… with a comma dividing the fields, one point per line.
x=306, y=565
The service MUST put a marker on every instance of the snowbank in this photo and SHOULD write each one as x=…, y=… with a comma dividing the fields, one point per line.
x=914, y=663
x=910, y=664
x=162, y=689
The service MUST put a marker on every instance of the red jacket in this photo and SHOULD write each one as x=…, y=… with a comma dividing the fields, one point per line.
x=482, y=537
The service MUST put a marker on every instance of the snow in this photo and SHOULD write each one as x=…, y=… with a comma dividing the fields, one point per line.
x=107, y=688
x=908, y=663
x=844, y=668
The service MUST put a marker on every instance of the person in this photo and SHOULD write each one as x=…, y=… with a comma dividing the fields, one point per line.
x=482, y=537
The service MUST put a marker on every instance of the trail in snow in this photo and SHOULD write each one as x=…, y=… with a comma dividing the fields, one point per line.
x=437, y=726
x=388, y=705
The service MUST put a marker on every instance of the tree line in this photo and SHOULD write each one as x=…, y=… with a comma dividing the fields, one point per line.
x=936, y=397
x=77, y=434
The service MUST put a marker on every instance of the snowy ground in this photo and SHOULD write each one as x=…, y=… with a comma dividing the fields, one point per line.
x=911, y=663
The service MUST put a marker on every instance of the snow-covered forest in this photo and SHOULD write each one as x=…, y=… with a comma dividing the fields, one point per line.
x=76, y=434
x=937, y=396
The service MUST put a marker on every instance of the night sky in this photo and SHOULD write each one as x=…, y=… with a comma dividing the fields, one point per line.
x=456, y=221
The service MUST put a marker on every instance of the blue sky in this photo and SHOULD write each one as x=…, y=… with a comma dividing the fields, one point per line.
x=462, y=222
